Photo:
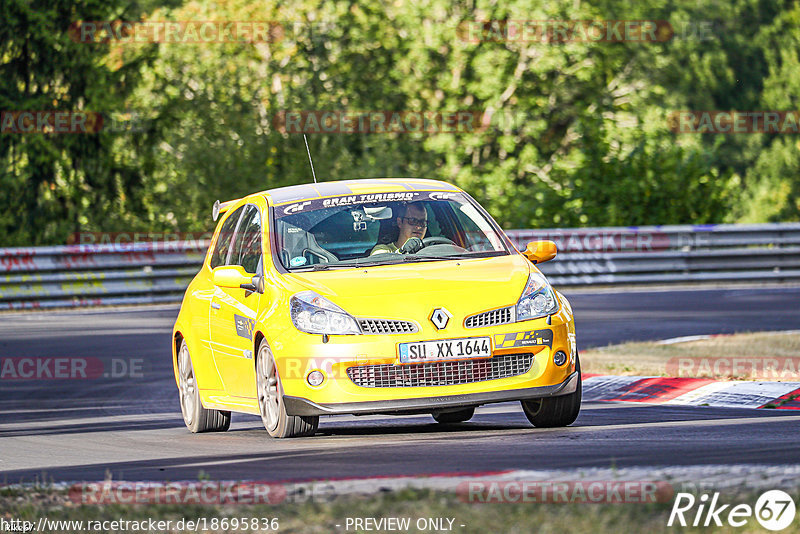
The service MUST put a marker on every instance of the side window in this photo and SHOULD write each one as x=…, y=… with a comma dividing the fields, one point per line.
x=220, y=253
x=247, y=247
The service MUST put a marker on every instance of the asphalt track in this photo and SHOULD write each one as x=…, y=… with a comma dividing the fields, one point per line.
x=130, y=428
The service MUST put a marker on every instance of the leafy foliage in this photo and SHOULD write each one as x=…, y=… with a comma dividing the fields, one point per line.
x=577, y=133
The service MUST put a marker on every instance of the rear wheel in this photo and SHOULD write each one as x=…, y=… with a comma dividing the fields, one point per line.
x=457, y=416
x=270, y=400
x=551, y=412
x=197, y=418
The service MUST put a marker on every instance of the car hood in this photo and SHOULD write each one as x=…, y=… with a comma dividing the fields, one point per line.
x=413, y=291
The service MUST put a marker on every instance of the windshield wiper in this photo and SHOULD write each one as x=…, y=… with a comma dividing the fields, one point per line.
x=473, y=255
x=317, y=267
x=395, y=259
x=415, y=259
x=372, y=263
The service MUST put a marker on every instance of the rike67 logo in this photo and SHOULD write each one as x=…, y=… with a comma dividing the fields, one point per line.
x=774, y=510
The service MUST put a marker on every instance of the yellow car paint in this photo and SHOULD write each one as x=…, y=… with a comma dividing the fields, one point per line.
x=223, y=341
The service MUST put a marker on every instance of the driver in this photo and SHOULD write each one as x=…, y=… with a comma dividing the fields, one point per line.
x=412, y=226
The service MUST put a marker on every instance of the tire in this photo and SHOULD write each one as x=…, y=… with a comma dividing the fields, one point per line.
x=197, y=418
x=448, y=418
x=270, y=400
x=549, y=412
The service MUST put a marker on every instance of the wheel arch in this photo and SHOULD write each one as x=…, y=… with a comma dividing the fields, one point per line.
x=200, y=375
x=177, y=339
x=259, y=335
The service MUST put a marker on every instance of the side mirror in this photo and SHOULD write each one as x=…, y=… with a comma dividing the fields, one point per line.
x=540, y=251
x=234, y=276
x=257, y=284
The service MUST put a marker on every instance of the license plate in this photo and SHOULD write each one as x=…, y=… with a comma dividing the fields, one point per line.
x=447, y=349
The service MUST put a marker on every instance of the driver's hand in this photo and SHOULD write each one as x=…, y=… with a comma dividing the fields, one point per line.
x=411, y=246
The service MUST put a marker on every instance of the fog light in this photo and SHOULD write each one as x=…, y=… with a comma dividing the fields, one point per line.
x=315, y=378
x=559, y=358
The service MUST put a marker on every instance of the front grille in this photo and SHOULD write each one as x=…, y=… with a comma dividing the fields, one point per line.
x=386, y=326
x=447, y=373
x=491, y=318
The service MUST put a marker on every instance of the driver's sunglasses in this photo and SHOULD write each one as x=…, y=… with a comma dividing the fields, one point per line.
x=421, y=223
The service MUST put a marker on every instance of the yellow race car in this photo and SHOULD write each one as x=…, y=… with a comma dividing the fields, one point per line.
x=385, y=296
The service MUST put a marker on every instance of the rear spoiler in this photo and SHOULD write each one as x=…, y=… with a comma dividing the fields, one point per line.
x=221, y=207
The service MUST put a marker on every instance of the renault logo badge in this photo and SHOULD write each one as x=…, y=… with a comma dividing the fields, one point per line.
x=440, y=317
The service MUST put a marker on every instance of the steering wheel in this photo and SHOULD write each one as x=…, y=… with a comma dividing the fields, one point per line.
x=437, y=240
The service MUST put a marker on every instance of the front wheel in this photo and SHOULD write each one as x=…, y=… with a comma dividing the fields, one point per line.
x=270, y=400
x=197, y=418
x=558, y=411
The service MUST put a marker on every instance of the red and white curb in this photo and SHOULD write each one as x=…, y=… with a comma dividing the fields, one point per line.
x=692, y=391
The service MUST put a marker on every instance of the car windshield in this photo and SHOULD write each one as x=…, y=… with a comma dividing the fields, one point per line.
x=383, y=228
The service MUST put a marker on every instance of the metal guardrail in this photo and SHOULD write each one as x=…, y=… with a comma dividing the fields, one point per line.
x=670, y=254
x=139, y=273
x=97, y=275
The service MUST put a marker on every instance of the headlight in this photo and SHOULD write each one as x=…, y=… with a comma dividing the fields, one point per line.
x=315, y=314
x=538, y=299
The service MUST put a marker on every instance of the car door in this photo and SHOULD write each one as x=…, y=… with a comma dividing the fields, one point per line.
x=219, y=258
x=233, y=310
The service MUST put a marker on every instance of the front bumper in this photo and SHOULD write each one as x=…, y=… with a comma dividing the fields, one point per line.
x=301, y=406
x=296, y=354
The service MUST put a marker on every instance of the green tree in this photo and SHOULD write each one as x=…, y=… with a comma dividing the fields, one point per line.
x=54, y=184
x=575, y=133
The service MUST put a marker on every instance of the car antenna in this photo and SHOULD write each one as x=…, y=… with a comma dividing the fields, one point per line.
x=309, y=159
